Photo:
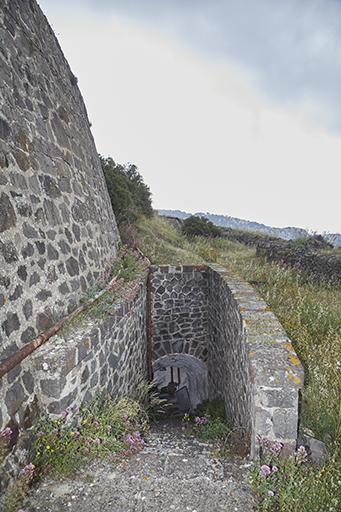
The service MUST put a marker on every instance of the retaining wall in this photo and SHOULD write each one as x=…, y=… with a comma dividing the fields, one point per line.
x=66, y=371
x=224, y=324
x=316, y=257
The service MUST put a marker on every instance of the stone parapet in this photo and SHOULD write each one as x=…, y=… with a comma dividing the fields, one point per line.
x=275, y=374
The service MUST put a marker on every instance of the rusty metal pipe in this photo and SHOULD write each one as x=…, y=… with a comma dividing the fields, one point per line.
x=149, y=329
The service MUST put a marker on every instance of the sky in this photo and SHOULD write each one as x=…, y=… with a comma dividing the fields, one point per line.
x=226, y=106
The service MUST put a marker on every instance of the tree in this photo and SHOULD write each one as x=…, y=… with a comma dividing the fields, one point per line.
x=126, y=188
x=200, y=226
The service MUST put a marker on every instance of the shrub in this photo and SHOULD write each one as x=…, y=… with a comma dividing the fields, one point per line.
x=126, y=187
x=200, y=226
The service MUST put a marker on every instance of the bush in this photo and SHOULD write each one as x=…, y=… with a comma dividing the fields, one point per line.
x=126, y=188
x=200, y=226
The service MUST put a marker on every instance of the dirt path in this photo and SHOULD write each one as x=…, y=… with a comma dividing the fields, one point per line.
x=173, y=473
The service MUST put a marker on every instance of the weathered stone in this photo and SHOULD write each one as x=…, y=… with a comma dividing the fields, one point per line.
x=315, y=449
x=64, y=247
x=40, y=246
x=28, y=381
x=17, y=293
x=27, y=251
x=24, y=209
x=49, y=186
x=63, y=114
x=51, y=213
x=59, y=132
x=52, y=253
x=64, y=289
x=11, y=324
x=53, y=387
x=83, y=349
x=43, y=295
x=29, y=231
x=74, y=285
x=103, y=376
x=41, y=263
x=60, y=405
x=284, y=424
x=85, y=375
x=15, y=396
x=76, y=231
x=28, y=335
x=7, y=214
x=39, y=216
x=68, y=235
x=35, y=188
x=22, y=272
x=8, y=252
x=43, y=322
x=34, y=279
x=72, y=266
x=94, y=380
x=21, y=159
x=27, y=309
x=4, y=129
x=13, y=373
x=51, y=275
x=5, y=281
x=113, y=360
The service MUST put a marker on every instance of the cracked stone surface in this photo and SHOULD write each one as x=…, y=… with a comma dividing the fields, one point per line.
x=173, y=472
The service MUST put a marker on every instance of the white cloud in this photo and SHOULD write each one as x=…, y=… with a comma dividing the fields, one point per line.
x=203, y=137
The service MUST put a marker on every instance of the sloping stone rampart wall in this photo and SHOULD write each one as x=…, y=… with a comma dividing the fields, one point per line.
x=57, y=227
x=224, y=324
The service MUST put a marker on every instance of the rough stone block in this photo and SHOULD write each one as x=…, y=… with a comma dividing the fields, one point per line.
x=52, y=388
x=15, y=396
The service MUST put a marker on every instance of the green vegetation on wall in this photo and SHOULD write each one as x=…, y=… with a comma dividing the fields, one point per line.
x=126, y=188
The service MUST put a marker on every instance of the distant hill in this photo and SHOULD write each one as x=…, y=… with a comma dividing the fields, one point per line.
x=287, y=233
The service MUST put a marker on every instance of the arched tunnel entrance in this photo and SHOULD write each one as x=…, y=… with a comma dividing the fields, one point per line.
x=186, y=372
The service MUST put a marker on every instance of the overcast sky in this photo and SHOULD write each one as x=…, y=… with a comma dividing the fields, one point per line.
x=230, y=107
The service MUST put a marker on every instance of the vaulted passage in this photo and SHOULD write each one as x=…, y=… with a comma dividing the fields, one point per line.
x=213, y=334
x=184, y=371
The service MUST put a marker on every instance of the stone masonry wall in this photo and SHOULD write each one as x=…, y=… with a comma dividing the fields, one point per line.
x=179, y=311
x=213, y=315
x=105, y=356
x=57, y=227
x=229, y=379
x=316, y=257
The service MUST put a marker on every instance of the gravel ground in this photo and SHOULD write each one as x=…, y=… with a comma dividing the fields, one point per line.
x=173, y=472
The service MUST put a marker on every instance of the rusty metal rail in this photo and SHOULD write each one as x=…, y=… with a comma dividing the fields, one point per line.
x=150, y=372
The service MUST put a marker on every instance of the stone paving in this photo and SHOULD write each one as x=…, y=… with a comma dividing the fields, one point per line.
x=173, y=473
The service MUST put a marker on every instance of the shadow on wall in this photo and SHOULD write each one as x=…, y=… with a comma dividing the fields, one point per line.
x=193, y=374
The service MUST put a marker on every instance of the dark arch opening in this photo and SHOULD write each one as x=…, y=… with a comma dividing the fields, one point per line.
x=193, y=374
